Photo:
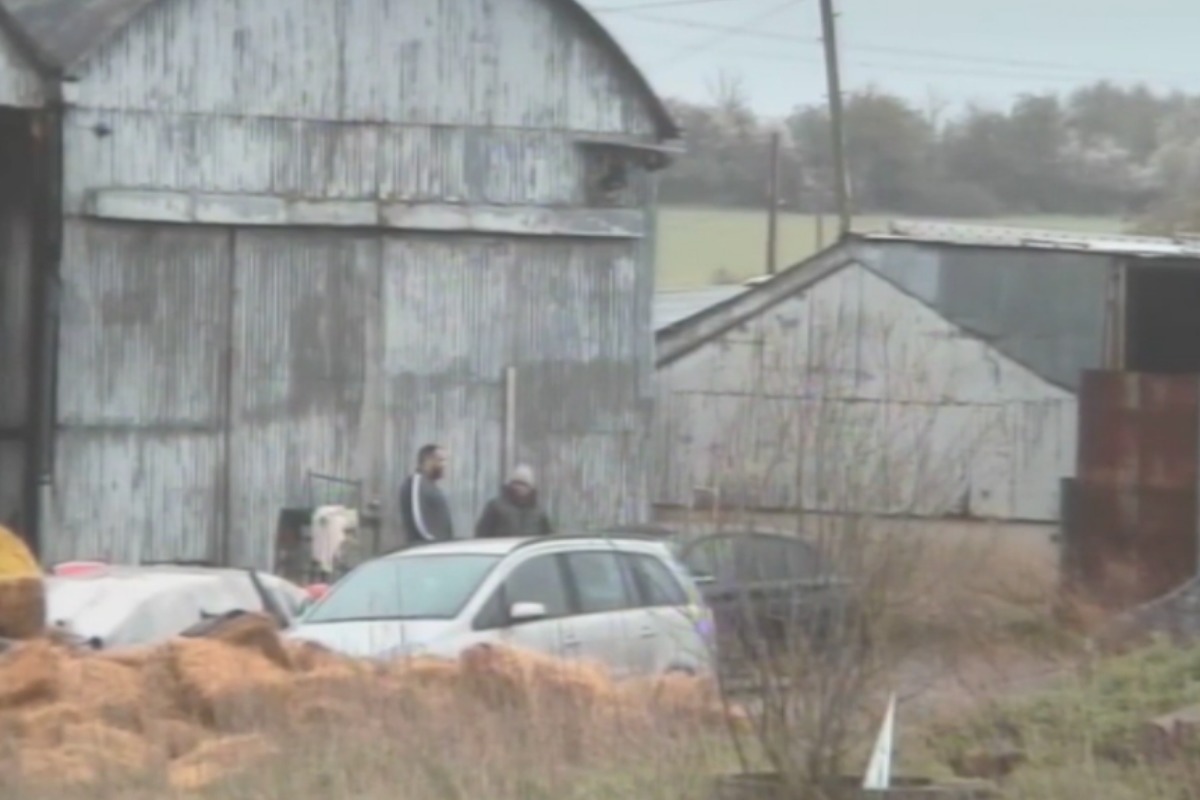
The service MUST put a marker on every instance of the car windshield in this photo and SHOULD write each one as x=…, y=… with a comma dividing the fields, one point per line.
x=418, y=587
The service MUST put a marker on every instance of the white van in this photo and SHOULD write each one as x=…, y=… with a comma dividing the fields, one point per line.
x=622, y=601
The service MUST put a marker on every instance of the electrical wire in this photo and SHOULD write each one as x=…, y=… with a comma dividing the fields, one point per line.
x=659, y=4
x=1065, y=72
x=723, y=32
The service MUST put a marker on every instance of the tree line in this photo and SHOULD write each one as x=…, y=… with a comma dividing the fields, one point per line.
x=1099, y=150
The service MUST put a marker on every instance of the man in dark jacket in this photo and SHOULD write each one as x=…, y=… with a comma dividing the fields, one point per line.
x=515, y=512
x=424, y=511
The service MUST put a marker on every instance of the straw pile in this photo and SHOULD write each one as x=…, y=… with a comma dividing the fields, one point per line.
x=194, y=712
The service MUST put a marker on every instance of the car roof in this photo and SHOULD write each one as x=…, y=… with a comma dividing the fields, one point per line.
x=506, y=546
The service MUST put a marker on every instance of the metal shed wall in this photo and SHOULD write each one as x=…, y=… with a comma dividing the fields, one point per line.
x=855, y=396
x=470, y=102
x=1044, y=309
x=205, y=371
x=338, y=346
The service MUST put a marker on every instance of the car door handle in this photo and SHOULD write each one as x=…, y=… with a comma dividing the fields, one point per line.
x=570, y=640
x=648, y=632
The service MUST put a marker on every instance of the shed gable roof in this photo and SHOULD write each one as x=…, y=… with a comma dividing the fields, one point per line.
x=65, y=32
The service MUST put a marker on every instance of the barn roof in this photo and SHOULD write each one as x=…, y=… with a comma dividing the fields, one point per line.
x=693, y=327
x=65, y=32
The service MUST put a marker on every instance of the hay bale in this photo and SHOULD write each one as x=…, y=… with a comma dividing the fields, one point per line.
x=175, y=738
x=227, y=687
x=310, y=656
x=44, y=726
x=253, y=631
x=22, y=607
x=29, y=674
x=219, y=760
x=122, y=754
x=105, y=688
x=58, y=767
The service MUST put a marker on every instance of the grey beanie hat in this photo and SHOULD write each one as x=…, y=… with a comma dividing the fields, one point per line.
x=522, y=474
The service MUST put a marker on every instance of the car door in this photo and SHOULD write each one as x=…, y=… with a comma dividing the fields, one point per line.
x=605, y=619
x=669, y=633
x=538, y=579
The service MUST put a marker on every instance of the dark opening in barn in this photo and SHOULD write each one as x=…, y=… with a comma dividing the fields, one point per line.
x=1162, y=323
x=16, y=319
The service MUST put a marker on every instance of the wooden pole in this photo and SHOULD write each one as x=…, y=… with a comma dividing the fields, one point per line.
x=841, y=184
x=773, y=208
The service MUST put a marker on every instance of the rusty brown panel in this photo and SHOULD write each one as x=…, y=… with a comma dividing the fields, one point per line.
x=1165, y=540
x=1169, y=426
x=1108, y=422
x=1101, y=541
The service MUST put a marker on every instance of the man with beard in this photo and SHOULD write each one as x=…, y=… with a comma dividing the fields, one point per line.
x=424, y=512
x=515, y=512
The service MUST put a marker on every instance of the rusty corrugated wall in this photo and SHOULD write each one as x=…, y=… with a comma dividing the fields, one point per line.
x=1131, y=526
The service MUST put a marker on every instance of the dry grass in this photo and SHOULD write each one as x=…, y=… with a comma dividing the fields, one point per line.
x=244, y=715
x=243, y=718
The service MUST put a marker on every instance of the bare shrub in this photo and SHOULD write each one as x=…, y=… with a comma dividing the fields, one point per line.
x=859, y=422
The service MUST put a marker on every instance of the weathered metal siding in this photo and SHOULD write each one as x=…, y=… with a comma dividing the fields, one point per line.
x=856, y=396
x=1133, y=524
x=1041, y=308
x=327, y=160
x=495, y=63
x=20, y=85
x=302, y=346
x=458, y=312
x=472, y=102
x=140, y=446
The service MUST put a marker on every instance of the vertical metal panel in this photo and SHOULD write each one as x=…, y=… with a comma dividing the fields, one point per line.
x=1043, y=309
x=302, y=352
x=1136, y=499
x=562, y=314
x=496, y=63
x=318, y=159
x=20, y=85
x=140, y=386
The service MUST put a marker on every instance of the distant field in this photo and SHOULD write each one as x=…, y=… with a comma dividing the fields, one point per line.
x=703, y=246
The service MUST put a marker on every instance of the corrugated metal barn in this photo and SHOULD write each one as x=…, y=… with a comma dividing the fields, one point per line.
x=949, y=359
x=307, y=235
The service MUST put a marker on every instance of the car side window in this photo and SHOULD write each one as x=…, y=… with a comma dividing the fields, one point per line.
x=599, y=582
x=538, y=580
x=655, y=582
x=712, y=557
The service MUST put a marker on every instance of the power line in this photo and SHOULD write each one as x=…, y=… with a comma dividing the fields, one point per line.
x=723, y=32
x=659, y=4
x=747, y=31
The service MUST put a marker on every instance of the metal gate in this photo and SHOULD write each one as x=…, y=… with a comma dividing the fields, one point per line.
x=1130, y=515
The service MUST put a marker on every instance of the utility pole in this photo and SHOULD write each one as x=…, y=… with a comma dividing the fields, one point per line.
x=841, y=184
x=773, y=209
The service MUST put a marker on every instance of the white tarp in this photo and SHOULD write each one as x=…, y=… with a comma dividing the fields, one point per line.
x=124, y=606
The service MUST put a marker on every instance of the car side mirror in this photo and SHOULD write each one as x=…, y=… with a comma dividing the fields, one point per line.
x=527, y=612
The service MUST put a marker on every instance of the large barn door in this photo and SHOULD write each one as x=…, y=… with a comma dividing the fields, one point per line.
x=445, y=358
x=140, y=449
x=303, y=396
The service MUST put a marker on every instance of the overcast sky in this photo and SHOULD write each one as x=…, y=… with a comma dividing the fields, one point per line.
x=951, y=51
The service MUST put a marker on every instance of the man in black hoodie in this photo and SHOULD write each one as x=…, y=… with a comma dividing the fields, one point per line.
x=515, y=512
x=424, y=511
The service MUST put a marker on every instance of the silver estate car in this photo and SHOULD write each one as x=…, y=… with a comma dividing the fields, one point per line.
x=622, y=601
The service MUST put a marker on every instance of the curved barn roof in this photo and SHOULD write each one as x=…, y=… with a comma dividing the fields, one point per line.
x=64, y=32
